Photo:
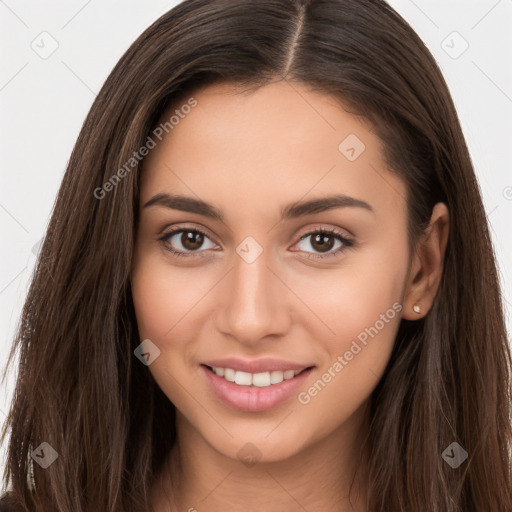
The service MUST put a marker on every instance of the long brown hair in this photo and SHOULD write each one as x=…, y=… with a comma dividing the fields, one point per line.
x=79, y=386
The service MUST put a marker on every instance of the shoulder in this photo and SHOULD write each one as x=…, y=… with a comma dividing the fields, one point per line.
x=4, y=499
x=6, y=503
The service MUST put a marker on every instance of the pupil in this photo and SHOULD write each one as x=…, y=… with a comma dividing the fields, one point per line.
x=191, y=240
x=321, y=242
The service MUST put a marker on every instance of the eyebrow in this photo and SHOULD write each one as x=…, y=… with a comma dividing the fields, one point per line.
x=291, y=211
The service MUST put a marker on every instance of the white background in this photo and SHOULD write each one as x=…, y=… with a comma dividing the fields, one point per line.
x=44, y=103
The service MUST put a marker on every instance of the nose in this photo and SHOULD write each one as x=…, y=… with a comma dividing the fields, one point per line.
x=253, y=303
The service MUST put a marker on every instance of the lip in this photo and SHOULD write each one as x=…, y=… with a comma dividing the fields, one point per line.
x=253, y=398
x=256, y=365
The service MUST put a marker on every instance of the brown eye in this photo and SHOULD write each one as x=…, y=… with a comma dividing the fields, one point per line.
x=191, y=240
x=322, y=242
x=186, y=242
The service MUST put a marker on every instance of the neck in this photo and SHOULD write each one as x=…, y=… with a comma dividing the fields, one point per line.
x=322, y=476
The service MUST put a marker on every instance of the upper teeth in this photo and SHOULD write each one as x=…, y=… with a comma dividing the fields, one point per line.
x=255, y=379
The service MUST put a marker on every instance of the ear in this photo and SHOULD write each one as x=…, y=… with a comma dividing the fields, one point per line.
x=426, y=267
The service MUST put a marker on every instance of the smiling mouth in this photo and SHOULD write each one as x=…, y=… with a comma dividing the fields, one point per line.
x=261, y=380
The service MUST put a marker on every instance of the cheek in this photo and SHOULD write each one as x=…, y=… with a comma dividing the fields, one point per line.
x=365, y=323
x=363, y=327
x=353, y=297
x=360, y=303
x=161, y=300
x=152, y=303
x=168, y=309
x=162, y=295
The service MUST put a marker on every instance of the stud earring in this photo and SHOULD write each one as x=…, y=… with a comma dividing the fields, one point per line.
x=416, y=308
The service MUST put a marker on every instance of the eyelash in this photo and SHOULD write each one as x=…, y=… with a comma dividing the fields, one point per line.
x=346, y=242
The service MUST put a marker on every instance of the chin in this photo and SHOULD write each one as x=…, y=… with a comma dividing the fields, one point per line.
x=256, y=445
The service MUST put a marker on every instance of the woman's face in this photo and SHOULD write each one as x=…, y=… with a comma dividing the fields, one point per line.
x=267, y=280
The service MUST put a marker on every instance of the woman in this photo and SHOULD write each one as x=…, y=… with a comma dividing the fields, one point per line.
x=268, y=281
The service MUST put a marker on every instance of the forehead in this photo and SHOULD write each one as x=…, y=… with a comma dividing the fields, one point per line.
x=274, y=144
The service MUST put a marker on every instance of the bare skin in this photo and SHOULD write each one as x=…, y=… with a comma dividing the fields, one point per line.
x=250, y=155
